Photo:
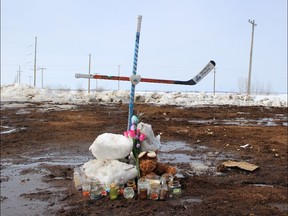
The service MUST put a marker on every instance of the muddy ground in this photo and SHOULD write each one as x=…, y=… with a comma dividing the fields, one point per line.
x=41, y=143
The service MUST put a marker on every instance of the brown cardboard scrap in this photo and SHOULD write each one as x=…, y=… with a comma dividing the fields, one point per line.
x=241, y=165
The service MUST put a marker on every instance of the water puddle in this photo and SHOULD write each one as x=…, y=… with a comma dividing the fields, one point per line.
x=8, y=129
x=174, y=158
x=191, y=200
x=57, y=159
x=262, y=185
x=199, y=167
x=13, y=185
x=13, y=104
x=193, y=159
x=278, y=120
x=55, y=107
x=175, y=145
x=23, y=112
x=20, y=180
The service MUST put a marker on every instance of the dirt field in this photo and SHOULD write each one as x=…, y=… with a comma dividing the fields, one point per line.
x=41, y=145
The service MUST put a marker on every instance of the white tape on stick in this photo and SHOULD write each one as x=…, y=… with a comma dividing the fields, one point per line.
x=139, y=23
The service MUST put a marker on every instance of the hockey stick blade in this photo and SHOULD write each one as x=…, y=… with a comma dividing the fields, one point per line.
x=193, y=81
x=209, y=67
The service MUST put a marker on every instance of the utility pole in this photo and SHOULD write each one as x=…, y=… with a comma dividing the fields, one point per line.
x=119, y=76
x=251, y=53
x=89, y=73
x=19, y=75
x=41, y=75
x=35, y=61
x=214, y=80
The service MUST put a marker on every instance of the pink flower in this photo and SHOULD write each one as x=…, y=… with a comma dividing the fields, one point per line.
x=142, y=137
x=131, y=133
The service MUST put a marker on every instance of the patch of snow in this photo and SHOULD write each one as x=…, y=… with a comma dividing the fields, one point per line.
x=25, y=93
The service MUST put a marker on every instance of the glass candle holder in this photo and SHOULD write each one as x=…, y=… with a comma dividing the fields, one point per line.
x=128, y=192
x=163, y=192
x=174, y=189
x=86, y=188
x=77, y=178
x=143, y=192
x=143, y=183
x=97, y=189
x=114, y=193
x=131, y=183
x=154, y=192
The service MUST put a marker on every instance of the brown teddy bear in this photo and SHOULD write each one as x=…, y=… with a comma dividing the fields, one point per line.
x=149, y=166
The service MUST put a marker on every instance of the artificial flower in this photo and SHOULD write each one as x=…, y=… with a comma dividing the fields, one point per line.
x=142, y=137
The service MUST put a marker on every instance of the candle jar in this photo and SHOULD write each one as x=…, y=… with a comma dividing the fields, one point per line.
x=77, y=178
x=86, y=188
x=143, y=183
x=143, y=193
x=174, y=189
x=163, y=192
x=113, y=191
x=131, y=183
x=97, y=189
x=154, y=191
x=128, y=192
x=121, y=184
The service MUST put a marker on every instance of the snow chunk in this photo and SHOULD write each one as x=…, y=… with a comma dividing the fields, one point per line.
x=109, y=171
x=111, y=146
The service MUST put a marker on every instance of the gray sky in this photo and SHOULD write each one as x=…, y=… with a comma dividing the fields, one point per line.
x=177, y=40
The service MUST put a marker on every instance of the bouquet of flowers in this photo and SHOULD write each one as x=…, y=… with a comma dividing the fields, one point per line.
x=137, y=137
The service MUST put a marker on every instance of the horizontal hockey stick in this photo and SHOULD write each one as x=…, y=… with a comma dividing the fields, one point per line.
x=192, y=81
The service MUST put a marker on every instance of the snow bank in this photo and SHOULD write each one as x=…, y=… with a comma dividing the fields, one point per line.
x=21, y=92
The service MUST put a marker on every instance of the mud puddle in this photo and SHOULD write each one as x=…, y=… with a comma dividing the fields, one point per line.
x=277, y=120
x=21, y=181
x=8, y=129
x=192, y=159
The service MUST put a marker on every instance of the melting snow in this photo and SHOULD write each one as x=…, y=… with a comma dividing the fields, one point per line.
x=22, y=93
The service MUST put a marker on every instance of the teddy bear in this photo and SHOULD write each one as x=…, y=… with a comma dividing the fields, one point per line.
x=149, y=166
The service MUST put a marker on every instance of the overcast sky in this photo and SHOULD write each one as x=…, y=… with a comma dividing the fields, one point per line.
x=178, y=38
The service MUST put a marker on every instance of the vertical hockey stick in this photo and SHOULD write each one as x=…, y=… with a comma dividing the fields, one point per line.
x=132, y=92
